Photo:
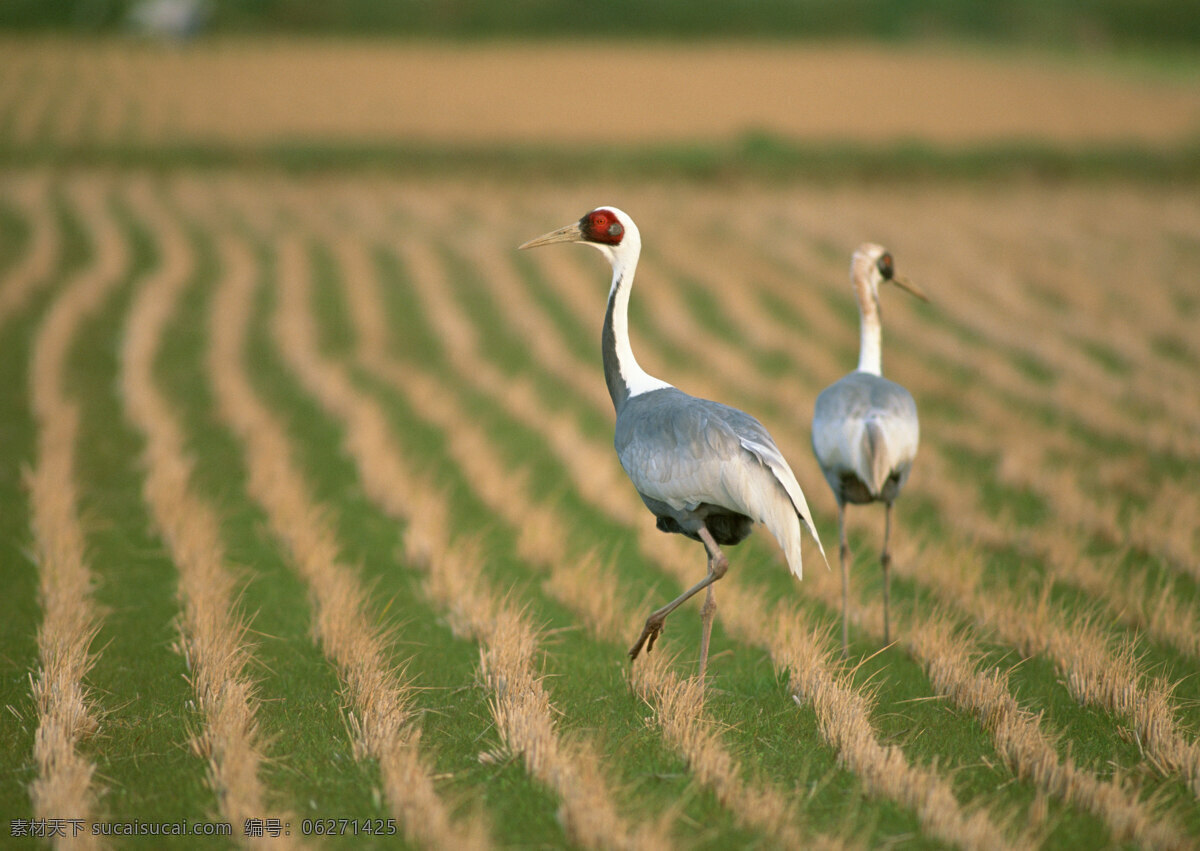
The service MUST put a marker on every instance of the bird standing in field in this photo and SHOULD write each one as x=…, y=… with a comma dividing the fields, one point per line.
x=865, y=430
x=705, y=470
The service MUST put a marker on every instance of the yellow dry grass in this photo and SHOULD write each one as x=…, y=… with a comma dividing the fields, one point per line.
x=380, y=710
x=35, y=266
x=212, y=630
x=64, y=786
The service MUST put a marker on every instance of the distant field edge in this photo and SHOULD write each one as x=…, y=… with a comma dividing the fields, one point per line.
x=754, y=156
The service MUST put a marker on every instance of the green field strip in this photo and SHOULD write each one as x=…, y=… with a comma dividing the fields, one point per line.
x=1034, y=551
x=388, y=684
x=762, y=160
x=20, y=606
x=314, y=773
x=1100, y=763
x=906, y=708
x=62, y=687
x=15, y=237
x=588, y=677
x=1057, y=639
x=212, y=626
x=145, y=754
x=32, y=265
x=1096, y=740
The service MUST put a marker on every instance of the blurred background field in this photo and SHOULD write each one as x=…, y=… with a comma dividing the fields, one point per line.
x=780, y=89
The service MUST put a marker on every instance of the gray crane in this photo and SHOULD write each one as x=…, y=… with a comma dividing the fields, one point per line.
x=705, y=470
x=865, y=430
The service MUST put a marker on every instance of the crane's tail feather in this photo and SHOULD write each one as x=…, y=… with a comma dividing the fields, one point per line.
x=780, y=515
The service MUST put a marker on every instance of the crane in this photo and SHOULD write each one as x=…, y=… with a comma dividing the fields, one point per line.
x=705, y=470
x=865, y=430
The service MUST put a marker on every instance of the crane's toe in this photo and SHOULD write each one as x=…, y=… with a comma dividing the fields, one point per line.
x=650, y=633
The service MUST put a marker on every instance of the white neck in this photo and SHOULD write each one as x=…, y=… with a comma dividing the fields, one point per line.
x=621, y=357
x=870, y=346
x=865, y=279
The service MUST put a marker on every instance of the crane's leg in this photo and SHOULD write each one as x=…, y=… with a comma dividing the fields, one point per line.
x=706, y=621
x=717, y=566
x=886, y=561
x=844, y=557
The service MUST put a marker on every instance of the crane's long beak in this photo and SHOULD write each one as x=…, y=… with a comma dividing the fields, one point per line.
x=904, y=284
x=569, y=233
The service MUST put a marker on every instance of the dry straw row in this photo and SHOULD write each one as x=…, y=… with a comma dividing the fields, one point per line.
x=380, y=701
x=35, y=267
x=212, y=629
x=64, y=786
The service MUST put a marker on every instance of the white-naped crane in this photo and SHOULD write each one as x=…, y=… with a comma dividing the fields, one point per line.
x=705, y=470
x=865, y=430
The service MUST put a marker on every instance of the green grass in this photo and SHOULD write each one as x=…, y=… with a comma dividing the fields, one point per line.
x=755, y=156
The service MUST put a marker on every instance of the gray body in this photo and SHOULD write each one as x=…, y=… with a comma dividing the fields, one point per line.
x=865, y=436
x=688, y=459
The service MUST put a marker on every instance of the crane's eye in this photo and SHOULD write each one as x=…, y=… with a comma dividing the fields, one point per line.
x=886, y=268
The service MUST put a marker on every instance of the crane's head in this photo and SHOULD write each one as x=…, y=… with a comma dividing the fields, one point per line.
x=606, y=228
x=872, y=266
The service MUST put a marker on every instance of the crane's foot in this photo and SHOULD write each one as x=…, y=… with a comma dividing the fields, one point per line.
x=654, y=626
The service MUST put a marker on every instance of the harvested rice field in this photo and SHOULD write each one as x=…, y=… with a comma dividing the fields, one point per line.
x=312, y=527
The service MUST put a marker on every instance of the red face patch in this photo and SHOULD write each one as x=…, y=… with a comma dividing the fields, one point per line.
x=602, y=226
